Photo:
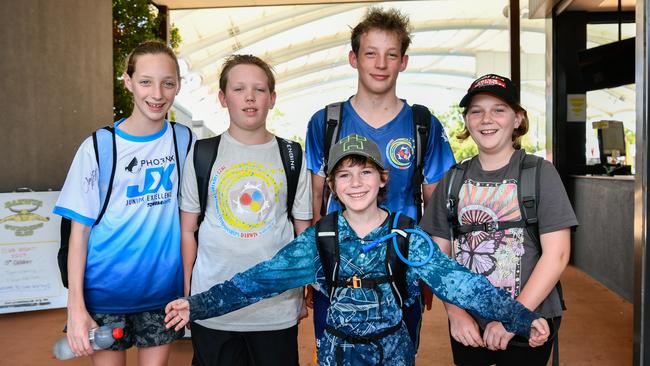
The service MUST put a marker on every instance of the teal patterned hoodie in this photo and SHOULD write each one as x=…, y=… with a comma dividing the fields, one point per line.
x=363, y=312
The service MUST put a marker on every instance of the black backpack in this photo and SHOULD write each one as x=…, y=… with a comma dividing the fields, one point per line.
x=106, y=156
x=327, y=243
x=421, y=126
x=205, y=154
x=327, y=235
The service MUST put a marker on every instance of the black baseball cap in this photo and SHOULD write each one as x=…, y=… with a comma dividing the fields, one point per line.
x=354, y=145
x=498, y=85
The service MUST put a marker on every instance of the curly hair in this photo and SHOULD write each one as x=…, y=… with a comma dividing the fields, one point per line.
x=390, y=21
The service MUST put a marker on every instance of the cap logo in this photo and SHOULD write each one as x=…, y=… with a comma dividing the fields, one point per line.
x=488, y=82
x=353, y=142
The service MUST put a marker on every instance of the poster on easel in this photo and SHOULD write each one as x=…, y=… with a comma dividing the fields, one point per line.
x=29, y=242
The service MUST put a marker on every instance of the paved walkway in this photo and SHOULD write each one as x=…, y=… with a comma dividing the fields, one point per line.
x=597, y=330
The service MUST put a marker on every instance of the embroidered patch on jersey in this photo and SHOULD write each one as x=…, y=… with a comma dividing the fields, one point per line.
x=245, y=195
x=496, y=255
x=400, y=153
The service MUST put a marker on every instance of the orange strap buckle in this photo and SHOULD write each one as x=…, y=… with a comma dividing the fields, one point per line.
x=355, y=281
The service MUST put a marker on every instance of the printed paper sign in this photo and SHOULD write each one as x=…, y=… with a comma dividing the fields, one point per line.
x=29, y=242
x=576, y=110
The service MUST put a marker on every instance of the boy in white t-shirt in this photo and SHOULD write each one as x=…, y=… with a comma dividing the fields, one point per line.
x=246, y=222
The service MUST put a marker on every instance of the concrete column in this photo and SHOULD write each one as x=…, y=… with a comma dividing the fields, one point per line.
x=56, y=69
x=641, y=254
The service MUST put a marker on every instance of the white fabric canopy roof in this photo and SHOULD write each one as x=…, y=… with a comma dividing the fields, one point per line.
x=454, y=41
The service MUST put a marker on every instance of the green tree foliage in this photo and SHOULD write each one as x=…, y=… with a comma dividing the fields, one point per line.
x=275, y=122
x=630, y=140
x=134, y=21
x=452, y=121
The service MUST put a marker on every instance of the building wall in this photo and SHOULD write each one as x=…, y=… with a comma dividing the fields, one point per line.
x=56, y=69
x=603, y=244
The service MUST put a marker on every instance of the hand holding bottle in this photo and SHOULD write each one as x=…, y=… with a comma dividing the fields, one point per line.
x=78, y=325
x=100, y=338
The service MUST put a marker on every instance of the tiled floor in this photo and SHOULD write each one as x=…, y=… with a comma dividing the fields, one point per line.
x=597, y=330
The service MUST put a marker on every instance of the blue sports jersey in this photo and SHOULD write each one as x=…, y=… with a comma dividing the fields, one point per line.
x=363, y=312
x=133, y=262
x=396, y=143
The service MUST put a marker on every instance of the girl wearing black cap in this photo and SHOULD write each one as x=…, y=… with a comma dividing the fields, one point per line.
x=503, y=214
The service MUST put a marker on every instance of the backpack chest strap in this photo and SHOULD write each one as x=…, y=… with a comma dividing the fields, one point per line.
x=356, y=282
x=490, y=227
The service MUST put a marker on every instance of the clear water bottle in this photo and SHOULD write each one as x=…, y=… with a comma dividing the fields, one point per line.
x=100, y=338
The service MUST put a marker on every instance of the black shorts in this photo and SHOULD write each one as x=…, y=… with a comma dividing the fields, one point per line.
x=518, y=352
x=266, y=348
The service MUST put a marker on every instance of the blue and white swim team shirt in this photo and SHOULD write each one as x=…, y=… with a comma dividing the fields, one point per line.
x=397, y=145
x=134, y=260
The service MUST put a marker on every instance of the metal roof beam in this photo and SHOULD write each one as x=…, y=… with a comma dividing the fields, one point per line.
x=328, y=64
x=277, y=23
x=318, y=44
x=245, y=27
x=284, y=92
x=207, y=4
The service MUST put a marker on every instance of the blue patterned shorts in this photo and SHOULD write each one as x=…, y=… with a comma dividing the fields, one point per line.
x=144, y=329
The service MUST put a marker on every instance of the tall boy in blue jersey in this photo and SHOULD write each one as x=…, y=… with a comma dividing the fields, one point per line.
x=379, y=44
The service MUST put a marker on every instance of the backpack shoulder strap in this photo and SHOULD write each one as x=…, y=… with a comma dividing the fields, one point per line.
x=291, y=155
x=103, y=145
x=327, y=243
x=453, y=184
x=421, y=129
x=529, y=177
x=182, y=142
x=106, y=155
x=333, y=117
x=205, y=154
x=394, y=266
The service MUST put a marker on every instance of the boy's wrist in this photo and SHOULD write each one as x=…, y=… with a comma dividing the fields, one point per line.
x=522, y=322
x=452, y=310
